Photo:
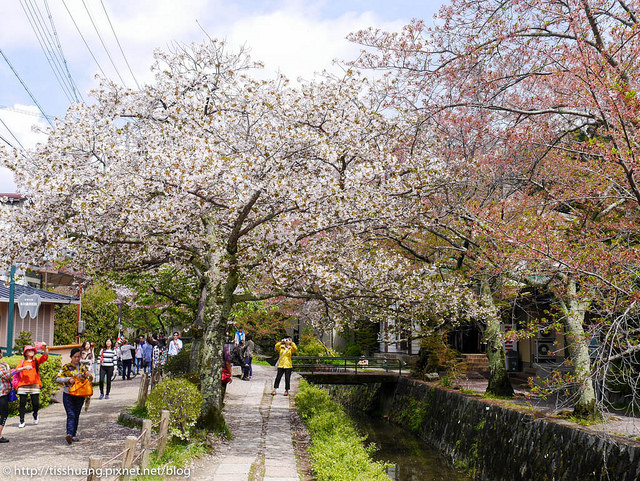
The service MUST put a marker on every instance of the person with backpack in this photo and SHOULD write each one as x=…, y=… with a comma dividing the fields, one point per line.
x=29, y=382
x=5, y=389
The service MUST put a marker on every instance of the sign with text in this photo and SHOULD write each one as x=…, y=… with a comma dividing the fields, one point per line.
x=29, y=304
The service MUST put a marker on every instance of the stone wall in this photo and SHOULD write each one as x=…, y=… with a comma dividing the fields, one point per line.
x=497, y=443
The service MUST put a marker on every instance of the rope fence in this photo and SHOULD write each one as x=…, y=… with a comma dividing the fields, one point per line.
x=128, y=455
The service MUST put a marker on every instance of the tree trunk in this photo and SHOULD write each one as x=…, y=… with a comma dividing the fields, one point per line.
x=574, y=313
x=198, y=330
x=213, y=317
x=499, y=382
x=211, y=374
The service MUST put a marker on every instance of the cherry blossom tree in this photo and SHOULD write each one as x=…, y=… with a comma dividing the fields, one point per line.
x=209, y=169
x=548, y=92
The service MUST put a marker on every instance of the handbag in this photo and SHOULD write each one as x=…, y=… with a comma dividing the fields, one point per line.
x=16, y=376
x=12, y=395
x=226, y=376
x=82, y=387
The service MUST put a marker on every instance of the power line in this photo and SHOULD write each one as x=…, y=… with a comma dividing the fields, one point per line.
x=8, y=143
x=119, y=46
x=11, y=133
x=45, y=45
x=78, y=95
x=25, y=87
x=102, y=42
x=83, y=39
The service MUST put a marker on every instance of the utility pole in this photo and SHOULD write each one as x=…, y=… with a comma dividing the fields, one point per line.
x=79, y=313
x=12, y=295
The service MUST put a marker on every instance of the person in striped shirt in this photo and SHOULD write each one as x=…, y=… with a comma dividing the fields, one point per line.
x=108, y=360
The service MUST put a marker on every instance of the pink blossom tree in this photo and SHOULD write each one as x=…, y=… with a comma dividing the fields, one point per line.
x=540, y=96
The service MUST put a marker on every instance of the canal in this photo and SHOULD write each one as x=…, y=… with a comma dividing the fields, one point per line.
x=411, y=459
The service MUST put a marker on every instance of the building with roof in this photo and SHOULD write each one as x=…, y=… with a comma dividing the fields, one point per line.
x=26, y=316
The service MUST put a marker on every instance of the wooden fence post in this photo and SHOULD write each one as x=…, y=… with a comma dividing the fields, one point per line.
x=144, y=389
x=164, y=430
x=130, y=445
x=95, y=463
x=146, y=440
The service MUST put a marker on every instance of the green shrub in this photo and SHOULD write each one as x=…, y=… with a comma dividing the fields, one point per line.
x=48, y=373
x=311, y=346
x=182, y=399
x=337, y=450
x=178, y=365
x=23, y=339
x=352, y=350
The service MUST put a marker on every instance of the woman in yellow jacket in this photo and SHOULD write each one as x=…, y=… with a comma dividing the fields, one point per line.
x=286, y=348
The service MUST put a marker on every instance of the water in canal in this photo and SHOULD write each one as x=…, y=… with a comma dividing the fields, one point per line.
x=411, y=458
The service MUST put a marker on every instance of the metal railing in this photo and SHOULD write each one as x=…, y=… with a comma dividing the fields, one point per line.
x=351, y=365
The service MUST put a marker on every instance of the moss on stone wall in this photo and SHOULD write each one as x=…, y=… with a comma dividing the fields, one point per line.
x=498, y=443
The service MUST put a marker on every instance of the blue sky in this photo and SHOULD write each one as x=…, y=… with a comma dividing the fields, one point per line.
x=296, y=37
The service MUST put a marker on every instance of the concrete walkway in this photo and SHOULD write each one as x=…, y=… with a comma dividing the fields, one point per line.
x=262, y=447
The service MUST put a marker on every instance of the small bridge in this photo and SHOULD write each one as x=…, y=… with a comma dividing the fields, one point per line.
x=348, y=370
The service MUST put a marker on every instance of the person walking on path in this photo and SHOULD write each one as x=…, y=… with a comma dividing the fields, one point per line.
x=247, y=355
x=138, y=356
x=147, y=356
x=159, y=360
x=5, y=389
x=70, y=374
x=286, y=347
x=87, y=358
x=175, y=345
x=108, y=360
x=126, y=354
x=29, y=382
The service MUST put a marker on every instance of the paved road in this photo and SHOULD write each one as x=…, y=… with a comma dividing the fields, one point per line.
x=262, y=447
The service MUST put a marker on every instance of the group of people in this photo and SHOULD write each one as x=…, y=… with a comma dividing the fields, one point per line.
x=243, y=349
x=150, y=356
x=152, y=353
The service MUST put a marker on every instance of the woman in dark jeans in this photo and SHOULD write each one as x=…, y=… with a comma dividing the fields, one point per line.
x=107, y=359
x=70, y=374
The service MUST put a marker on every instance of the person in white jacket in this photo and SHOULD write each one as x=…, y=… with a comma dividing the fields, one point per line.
x=175, y=345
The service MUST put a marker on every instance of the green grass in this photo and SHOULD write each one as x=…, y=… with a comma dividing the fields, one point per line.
x=139, y=412
x=178, y=454
x=337, y=450
x=260, y=362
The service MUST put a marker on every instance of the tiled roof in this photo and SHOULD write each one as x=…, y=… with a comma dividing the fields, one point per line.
x=46, y=296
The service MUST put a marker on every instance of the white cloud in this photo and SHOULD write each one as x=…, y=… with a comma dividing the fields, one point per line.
x=295, y=37
x=26, y=129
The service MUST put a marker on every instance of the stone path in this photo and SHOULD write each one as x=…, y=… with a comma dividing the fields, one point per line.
x=34, y=451
x=261, y=448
